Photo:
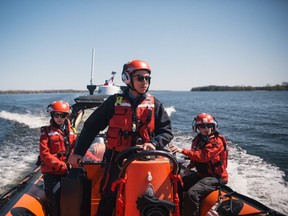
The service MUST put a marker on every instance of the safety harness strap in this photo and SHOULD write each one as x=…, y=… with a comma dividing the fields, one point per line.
x=119, y=201
x=175, y=179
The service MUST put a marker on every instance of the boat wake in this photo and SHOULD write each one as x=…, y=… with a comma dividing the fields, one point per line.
x=170, y=110
x=256, y=178
x=19, y=147
x=29, y=120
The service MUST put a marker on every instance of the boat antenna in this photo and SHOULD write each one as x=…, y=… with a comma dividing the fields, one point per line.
x=92, y=66
x=92, y=87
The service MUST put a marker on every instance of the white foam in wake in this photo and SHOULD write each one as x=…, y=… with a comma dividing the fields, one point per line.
x=14, y=161
x=31, y=121
x=170, y=110
x=252, y=176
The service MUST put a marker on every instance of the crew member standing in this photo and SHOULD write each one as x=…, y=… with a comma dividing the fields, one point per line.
x=134, y=117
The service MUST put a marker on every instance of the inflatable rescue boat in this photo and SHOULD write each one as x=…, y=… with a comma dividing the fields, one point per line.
x=147, y=186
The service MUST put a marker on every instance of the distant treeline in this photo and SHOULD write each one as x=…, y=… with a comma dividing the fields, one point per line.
x=41, y=91
x=283, y=87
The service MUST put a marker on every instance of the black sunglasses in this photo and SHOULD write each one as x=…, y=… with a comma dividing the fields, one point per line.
x=205, y=125
x=141, y=78
x=61, y=115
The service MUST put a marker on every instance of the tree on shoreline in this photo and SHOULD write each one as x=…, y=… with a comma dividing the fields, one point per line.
x=283, y=87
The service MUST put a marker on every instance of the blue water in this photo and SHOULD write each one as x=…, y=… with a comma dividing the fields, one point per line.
x=254, y=123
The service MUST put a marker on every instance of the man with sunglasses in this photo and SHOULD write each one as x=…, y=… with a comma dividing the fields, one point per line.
x=56, y=143
x=133, y=118
x=208, y=155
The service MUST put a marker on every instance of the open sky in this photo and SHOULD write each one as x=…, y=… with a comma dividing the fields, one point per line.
x=188, y=43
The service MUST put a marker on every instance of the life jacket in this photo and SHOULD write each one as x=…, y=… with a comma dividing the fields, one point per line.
x=217, y=166
x=59, y=146
x=130, y=126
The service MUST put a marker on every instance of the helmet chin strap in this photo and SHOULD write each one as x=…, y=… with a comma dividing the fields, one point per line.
x=131, y=86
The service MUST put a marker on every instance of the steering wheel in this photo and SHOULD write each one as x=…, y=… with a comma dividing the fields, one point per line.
x=136, y=153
